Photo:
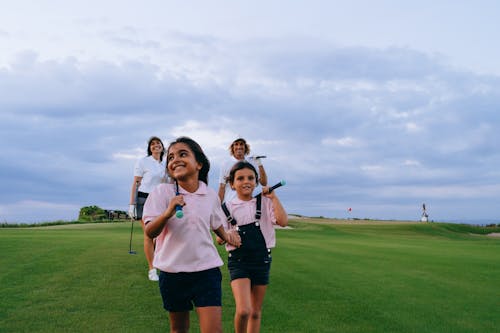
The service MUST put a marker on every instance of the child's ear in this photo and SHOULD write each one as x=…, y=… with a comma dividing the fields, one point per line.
x=199, y=166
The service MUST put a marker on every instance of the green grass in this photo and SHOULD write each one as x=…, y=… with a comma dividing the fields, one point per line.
x=407, y=277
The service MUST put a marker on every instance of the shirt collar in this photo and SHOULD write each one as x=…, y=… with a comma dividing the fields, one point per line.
x=202, y=189
x=238, y=201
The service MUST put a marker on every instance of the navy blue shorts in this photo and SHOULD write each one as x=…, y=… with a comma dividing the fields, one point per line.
x=141, y=200
x=255, y=269
x=180, y=291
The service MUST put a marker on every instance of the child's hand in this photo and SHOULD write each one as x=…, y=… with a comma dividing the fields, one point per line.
x=219, y=240
x=233, y=238
x=177, y=200
x=265, y=192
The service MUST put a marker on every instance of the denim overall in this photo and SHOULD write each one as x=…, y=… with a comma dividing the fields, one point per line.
x=253, y=249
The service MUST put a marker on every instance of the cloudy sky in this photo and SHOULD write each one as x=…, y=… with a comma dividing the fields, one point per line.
x=378, y=106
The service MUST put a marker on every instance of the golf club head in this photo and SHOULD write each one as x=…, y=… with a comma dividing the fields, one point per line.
x=132, y=252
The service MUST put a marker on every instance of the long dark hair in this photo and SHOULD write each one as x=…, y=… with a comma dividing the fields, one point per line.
x=198, y=154
x=149, y=146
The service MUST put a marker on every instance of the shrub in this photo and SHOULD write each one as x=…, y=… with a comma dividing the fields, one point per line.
x=92, y=214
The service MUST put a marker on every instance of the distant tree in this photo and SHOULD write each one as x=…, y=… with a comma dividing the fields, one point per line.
x=92, y=214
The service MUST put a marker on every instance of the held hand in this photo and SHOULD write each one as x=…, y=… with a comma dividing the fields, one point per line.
x=233, y=238
x=265, y=192
x=219, y=240
x=177, y=200
x=131, y=211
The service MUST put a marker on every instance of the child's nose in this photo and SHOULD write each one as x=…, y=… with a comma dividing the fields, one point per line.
x=173, y=158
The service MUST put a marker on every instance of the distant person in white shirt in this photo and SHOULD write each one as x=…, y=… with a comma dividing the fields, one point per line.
x=149, y=172
x=238, y=149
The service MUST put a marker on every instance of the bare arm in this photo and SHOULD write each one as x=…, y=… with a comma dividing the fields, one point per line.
x=279, y=211
x=262, y=175
x=222, y=192
x=232, y=238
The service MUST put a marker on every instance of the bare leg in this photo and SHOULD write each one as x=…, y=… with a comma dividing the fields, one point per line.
x=179, y=322
x=149, y=247
x=258, y=293
x=210, y=319
x=242, y=298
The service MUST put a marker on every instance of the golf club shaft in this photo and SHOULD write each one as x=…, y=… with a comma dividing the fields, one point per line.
x=133, y=218
x=178, y=208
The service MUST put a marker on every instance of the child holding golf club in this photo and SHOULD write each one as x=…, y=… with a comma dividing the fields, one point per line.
x=249, y=265
x=185, y=253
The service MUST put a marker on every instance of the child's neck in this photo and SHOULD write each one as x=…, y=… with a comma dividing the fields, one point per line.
x=190, y=185
x=245, y=197
x=156, y=156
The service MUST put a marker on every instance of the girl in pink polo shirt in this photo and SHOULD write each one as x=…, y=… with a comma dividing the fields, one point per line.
x=249, y=265
x=185, y=254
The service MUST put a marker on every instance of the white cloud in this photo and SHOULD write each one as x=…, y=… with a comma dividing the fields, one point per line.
x=412, y=127
x=213, y=133
x=375, y=171
x=340, y=142
x=133, y=155
x=411, y=163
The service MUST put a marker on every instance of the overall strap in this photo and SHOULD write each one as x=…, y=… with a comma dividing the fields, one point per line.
x=258, y=212
x=229, y=217
x=259, y=205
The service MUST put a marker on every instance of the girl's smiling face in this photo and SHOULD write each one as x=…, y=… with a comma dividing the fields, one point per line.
x=244, y=183
x=156, y=146
x=181, y=162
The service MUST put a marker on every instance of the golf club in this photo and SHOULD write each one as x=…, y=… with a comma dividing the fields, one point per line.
x=130, y=251
x=178, y=208
x=275, y=186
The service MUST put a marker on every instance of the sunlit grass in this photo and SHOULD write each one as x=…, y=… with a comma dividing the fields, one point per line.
x=404, y=277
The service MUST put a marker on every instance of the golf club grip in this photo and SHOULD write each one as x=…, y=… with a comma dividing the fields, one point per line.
x=178, y=208
x=275, y=186
x=178, y=211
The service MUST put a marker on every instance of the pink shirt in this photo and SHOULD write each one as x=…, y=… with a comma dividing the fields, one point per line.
x=244, y=213
x=186, y=244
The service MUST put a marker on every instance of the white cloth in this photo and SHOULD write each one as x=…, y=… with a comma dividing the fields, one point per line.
x=186, y=244
x=224, y=176
x=131, y=211
x=152, y=172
